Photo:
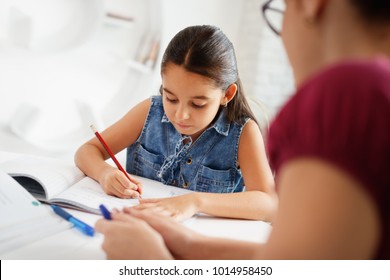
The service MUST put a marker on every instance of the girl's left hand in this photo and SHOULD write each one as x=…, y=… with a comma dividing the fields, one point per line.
x=179, y=207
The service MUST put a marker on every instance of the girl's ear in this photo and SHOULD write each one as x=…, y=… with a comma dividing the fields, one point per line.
x=229, y=94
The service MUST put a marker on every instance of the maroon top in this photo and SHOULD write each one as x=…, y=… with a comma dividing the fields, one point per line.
x=342, y=115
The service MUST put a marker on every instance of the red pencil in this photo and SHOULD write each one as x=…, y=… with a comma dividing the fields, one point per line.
x=109, y=151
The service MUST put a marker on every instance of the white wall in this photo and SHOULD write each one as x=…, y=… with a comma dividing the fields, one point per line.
x=264, y=67
x=179, y=14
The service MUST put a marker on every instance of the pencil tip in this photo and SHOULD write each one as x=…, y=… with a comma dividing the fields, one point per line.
x=93, y=128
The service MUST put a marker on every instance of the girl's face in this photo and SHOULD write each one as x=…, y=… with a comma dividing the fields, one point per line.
x=190, y=100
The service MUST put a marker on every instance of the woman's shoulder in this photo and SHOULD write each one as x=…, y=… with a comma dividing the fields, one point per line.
x=349, y=92
x=343, y=90
x=340, y=115
x=377, y=66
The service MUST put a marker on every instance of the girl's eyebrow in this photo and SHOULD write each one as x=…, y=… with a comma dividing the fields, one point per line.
x=168, y=91
x=203, y=97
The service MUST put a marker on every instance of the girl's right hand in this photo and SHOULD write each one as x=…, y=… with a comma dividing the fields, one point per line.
x=115, y=183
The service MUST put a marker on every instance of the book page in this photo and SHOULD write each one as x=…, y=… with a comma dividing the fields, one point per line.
x=88, y=194
x=42, y=177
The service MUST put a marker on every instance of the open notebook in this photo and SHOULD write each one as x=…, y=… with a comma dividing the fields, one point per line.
x=60, y=183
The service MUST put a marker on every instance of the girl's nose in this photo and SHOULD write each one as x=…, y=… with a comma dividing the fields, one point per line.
x=182, y=113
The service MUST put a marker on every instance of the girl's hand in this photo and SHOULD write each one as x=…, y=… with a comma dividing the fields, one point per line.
x=115, y=183
x=127, y=237
x=178, y=207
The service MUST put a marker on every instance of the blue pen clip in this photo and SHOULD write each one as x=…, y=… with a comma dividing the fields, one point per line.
x=83, y=227
x=106, y=214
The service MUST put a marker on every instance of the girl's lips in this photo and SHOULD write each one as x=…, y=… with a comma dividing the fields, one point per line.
x=183, y=126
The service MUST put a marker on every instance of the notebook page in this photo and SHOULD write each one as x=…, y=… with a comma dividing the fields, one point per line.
x=89, y=194
x=155, y=189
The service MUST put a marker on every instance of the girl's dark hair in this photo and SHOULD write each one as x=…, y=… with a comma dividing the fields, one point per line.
x=373, y=11
x=205, y=50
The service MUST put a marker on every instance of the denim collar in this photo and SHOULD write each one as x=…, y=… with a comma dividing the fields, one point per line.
x=221, y=124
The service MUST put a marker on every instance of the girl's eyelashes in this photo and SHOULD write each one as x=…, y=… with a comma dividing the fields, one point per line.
x=174, y=101
x=170, y=100
x=197, y=106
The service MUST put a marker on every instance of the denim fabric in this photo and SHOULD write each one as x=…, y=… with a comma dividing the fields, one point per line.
x=207, y=165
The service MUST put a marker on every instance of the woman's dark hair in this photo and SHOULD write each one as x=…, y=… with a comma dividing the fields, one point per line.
x=373, y=11
x=205, y=50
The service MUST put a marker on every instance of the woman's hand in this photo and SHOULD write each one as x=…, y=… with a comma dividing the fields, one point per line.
x=115, y=183
x=127, y=237
x=178, y=238
x=178, y=207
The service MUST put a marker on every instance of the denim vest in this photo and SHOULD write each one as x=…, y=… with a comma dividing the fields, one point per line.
x=207, y=165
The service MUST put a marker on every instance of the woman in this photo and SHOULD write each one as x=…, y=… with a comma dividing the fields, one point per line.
x=329, y=147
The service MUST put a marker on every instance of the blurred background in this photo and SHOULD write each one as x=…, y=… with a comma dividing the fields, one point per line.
x=66, y=64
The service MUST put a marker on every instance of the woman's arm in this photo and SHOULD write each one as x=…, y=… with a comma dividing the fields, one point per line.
x=213, y=248
x=91, y=156
x=324, y=213
x=184, y=243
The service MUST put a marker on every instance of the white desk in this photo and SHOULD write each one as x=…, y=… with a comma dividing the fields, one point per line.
x=72, y=244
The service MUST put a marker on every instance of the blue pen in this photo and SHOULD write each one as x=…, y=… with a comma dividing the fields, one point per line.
x=106, y=214
x=83, y=227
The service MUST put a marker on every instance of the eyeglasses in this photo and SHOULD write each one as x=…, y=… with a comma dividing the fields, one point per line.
x=273, y=15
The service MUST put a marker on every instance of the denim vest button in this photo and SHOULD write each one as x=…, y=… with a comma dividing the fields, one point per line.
x=185, y=185
x=189, y=161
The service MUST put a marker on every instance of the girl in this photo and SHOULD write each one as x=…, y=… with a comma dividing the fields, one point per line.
x=199, y=134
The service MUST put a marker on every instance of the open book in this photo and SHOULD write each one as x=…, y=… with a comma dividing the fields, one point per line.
x=22, y=218
x=60, y=183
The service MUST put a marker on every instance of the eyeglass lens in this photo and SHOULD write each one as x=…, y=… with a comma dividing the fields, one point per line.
x=274, y=15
